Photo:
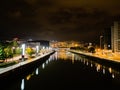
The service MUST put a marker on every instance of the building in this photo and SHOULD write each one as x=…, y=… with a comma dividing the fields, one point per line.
x=41, y=43
x=107, y=39
x=64, y=44
x=115, y=37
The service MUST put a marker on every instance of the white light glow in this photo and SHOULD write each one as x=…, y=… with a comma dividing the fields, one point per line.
x=103, y=71
x=37, y=72
x=37, y=49
x=47, y=62
x=22, y=84
x=43, y=65
x=113, y=76
x=23, y=49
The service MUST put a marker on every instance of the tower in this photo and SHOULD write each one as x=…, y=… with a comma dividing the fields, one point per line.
x=115, y=37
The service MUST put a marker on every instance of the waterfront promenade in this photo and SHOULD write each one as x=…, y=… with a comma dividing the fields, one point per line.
x=114, y=57
x=22, y=63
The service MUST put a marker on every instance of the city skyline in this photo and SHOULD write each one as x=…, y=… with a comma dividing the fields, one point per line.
x=57, y=19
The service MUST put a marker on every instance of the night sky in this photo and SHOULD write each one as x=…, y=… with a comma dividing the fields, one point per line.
x=81, y=20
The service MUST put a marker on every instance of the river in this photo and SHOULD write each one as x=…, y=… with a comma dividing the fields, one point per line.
x=66, y=70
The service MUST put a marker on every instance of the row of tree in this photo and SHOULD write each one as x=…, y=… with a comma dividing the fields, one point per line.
x=90, y=49
x=8, y=49
x=11, y=49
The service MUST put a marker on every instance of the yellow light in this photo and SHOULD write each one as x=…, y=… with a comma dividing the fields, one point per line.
x=28, y=77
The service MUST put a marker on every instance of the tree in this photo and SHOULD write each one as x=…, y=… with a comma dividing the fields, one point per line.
x=2, y=53
x=14, y=45
x=30, y=51
x=91, y=49
x=8, y=52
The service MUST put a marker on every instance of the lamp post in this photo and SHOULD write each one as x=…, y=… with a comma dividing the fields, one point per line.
x=37, y=50
x=23, y=51
x=101, y=42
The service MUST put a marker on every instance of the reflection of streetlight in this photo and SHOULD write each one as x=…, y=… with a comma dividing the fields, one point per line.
x=101, y=42
x=22, y=84
x=37, y=71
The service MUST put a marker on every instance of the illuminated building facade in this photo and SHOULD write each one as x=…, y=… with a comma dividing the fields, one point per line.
x=115, y=37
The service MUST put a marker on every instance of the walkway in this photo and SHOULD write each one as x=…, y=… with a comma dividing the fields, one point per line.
x=6, y=69
x=114, y=57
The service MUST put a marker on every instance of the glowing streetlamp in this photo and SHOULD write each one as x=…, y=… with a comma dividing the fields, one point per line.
x=37, y=50
x=23, y=51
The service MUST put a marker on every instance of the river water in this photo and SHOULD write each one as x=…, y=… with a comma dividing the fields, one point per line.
x=66, y=70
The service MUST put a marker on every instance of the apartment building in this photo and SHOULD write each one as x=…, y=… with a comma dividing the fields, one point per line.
x=115, y=37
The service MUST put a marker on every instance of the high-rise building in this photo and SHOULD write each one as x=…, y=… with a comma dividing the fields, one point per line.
x=107, y=39
x=115, y=37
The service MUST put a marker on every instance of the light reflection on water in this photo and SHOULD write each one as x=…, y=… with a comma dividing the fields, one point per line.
x=63, y=55
x=99, y=67
x=22, y=84
x=36, y=72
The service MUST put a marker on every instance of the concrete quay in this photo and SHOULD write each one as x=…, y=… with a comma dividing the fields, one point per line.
x=23, y=66
x=110, y=61
x=108, y=58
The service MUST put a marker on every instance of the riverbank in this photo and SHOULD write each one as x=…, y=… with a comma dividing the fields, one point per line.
x=23, y=65
x=95, y=55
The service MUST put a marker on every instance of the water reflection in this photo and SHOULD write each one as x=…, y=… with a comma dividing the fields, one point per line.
x=73, y=58
x=37, y=71
x=22, y=84
x=53, y=57
x=43, y=65
x=99, y=67
x=89, y=63
x=113, y=76
x=29, y=76
x=63, y=55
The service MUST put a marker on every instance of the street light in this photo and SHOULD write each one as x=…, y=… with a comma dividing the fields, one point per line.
x=23, y=51
x=37, y=50
x=101, y=42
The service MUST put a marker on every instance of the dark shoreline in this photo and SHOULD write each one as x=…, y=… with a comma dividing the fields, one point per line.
x=106, y=62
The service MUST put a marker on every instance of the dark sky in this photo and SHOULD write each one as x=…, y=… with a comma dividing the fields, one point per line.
x=83, y=20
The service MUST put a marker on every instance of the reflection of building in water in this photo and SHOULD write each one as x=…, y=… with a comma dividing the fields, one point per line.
x=62, y=54
x=73, y=56
x=99, y=67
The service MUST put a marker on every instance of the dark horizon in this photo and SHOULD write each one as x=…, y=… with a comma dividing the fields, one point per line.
x=57, y=19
